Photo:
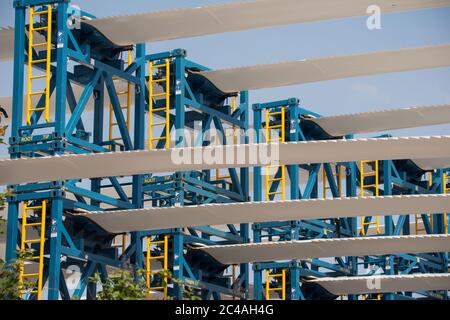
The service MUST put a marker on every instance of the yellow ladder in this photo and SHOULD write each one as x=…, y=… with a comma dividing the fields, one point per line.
x=269, y=289
x=233, y=109
x=272, y=170
x=126, y=106
x=419, y=216
x=33, y=259
x=165, y=263
x=162, y=78
x=39, y=12
x=153, y=121
x=363, y=188
x=337, y=174
x=365, y=297
x=446, y=188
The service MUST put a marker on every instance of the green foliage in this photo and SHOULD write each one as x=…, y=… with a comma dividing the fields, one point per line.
x=9, y=278
x=189, y=291
x=2, y=133
x=2, y=206
x=10, y=287
x=2, y=222
x=121, y=286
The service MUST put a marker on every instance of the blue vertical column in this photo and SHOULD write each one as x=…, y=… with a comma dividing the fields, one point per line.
x=438, y=219
x=294, y=272
x=19, y=60
x=294, y=265
x=441, y=228
x=99, y=99
x=12, y=231
x=351, y=179
x=60, y=113
x=61, y=68
x=180, y=106
x=387, y=176
x=139, y=144
x=178, y=264
x=257, y=126
x=439, y=222
x=55, y=246
x=257, y=196
x=180, y=118
x=257, y=271
x=244, y=268
x=294, y=127
x=293, y=171
x=388, y=222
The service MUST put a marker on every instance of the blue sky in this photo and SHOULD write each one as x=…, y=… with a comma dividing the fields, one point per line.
x=320, y=39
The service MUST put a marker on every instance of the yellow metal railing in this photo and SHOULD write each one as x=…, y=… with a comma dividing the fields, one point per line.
x=163, y=79
x=39, y=12
x=281, y=289
x=32, y=259
x=271, y=171
x=233, y=109
x=159, y=74
x=366, y=297
x=164, y=258
x=126, y=106
x=363, y=188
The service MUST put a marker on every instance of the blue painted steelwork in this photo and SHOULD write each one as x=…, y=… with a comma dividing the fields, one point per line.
x=194, y=100
x=67, y=134
x=396, y=177
x=197, y=102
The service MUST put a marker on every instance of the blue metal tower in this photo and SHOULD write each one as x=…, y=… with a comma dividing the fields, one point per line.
x=56, y=123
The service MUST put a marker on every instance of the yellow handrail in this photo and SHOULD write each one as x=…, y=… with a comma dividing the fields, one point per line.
x=281, y=275
x=379, y=296
x=32, y=62
x=270, y=176
x=165, y=263
x=23, y=247
x=363, y=187
x=166, y=108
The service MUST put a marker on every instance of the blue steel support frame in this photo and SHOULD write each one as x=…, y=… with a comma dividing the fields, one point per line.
x=62, y=139
x=293, y=110
x=309, y=229
x=139, y=144
x=60, y=111
x=68, y=135
x=183, y=184
x=19, y=61
x=388, y=221
x=244, y=227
